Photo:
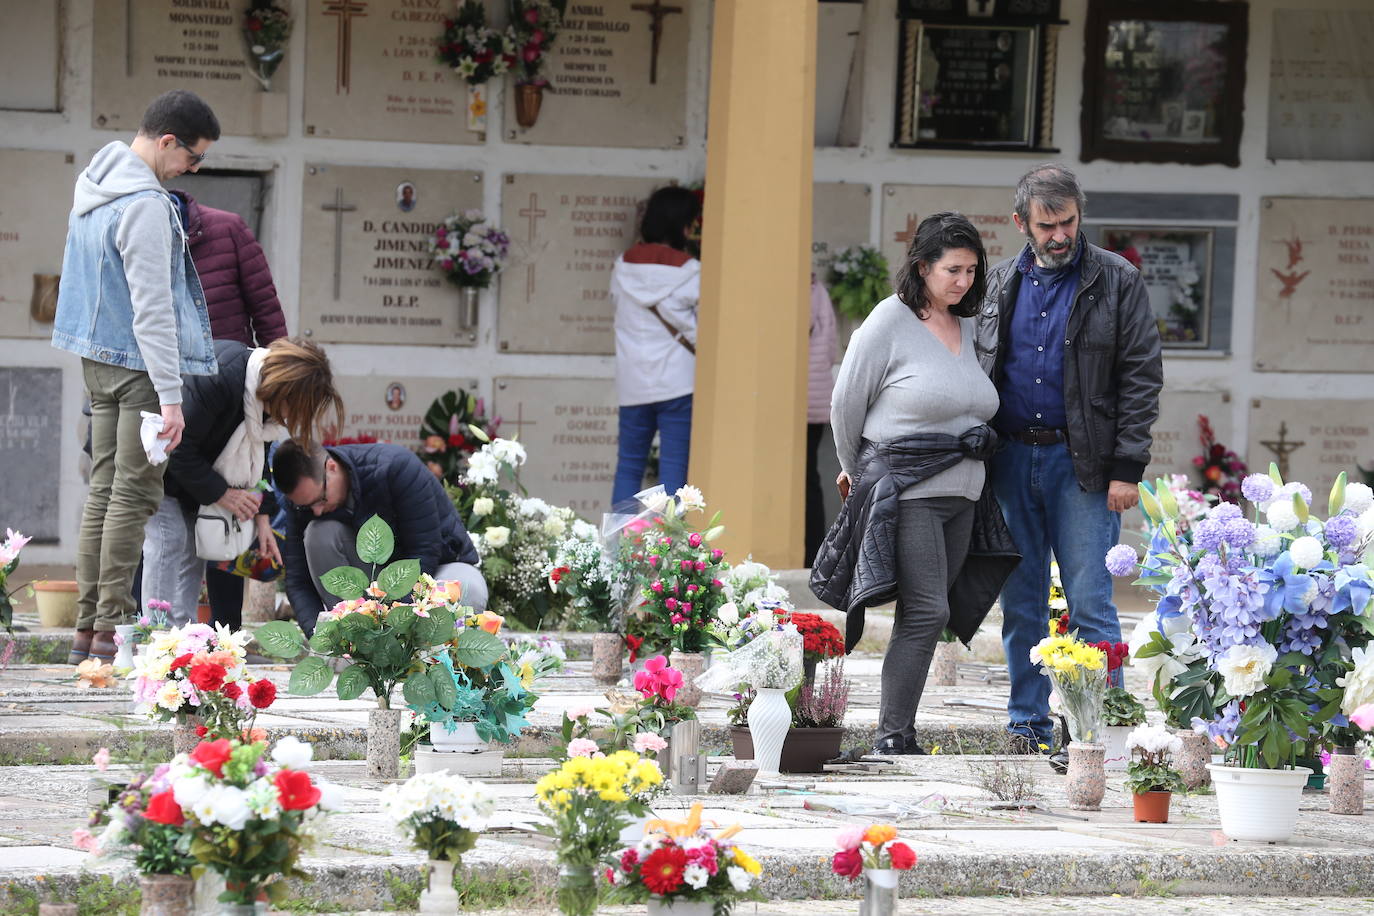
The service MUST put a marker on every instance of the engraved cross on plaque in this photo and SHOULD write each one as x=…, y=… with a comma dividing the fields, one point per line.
x=656, y=12
x=345, y=10
x=908, y=233
x=338, y=208
x=520, y=422
x=534, y=214
x=1282, y=448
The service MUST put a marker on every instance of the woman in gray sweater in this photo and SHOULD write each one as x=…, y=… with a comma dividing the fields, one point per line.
x=910, y=369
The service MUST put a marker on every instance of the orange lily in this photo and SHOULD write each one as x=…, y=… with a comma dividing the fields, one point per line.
x=689, y=827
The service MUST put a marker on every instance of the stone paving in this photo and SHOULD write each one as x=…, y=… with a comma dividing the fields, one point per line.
x=977, y=852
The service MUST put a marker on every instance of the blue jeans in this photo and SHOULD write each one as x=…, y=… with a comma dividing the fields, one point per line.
x=1047, y=511
x=672, y=420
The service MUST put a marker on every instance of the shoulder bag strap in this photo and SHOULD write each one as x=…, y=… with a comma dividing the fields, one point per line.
x=677, y=334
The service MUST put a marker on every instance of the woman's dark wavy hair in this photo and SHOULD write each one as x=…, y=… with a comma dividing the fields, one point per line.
x=668, y=215
x=937, y=234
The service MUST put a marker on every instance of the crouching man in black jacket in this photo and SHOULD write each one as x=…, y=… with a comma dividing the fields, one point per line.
x=334, y=490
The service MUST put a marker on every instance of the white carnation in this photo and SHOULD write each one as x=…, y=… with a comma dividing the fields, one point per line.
x=534, y=507
x=189, y=790
x=583, y=531
x=1358, y=498
x=1244, y=668
x=508, y=451
x=497, y=536
x=1306, y=552
x=696, y=876
x=1282, y=517
x=293, y=753
x=554, y=526
x=1267, y=542
x=482, y=505
x=739, y=879
x=228, y=806
x=1365, y=522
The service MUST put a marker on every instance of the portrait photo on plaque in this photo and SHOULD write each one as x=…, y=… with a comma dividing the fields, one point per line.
x=1176, y=265
x=1164, y=81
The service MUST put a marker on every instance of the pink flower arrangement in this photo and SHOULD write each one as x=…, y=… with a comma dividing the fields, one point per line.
x=874, y=847
x=658, y=680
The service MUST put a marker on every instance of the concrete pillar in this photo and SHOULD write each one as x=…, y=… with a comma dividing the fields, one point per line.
x=749, y=410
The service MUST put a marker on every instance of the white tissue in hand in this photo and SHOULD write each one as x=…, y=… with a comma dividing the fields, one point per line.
x=155, y=448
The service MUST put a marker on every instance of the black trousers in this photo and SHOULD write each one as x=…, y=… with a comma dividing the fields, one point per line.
x=815, y=500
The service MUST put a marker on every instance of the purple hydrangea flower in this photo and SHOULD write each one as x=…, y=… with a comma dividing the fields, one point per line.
x=1208, y=534
x=1239, y=533
x=1222, y=512
x=1121, y=560
x=1341, y=531
x=1258, y=488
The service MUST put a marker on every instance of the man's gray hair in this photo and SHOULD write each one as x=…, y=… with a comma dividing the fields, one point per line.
x=1054, y=186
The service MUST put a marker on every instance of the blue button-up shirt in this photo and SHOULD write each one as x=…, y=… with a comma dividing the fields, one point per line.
x=1032, y=384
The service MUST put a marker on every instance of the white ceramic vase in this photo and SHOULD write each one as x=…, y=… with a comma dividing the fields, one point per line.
x=439, y=898
x=124, y=635
x=1256, y=804
x=769, y=719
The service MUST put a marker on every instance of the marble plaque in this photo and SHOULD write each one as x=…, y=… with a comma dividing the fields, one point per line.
x=142, y=49
x=33, y=231
x=1176, y=435
x=372, y=72
x=391, y=408
x=1312, y=440
x=30, y=56
x=989, y=209
x=566, y=233
x=1314, y=297
x=569, y=427
x=30, y=443
x=366, y=272
x=1321, y=85
x=614, y=82
x=840, y=214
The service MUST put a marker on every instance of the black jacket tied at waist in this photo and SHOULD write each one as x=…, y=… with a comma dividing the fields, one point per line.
x=856, y=566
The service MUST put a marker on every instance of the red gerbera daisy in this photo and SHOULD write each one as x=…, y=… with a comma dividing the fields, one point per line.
x=662, y=870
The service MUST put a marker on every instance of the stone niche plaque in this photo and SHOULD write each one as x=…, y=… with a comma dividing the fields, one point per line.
x=372, y=72
x=33, y=232
x=1176, y=439
x=1314, y=296
x=1321, y=85
x=142, y=49
x=566, y=233
x=839, y=218
x=30, y=441
x=619, y=77
x=569, y=427
x=391, y=408
x=1312, y=441
x=366, y=272
x=989, y=209
x=31, y=57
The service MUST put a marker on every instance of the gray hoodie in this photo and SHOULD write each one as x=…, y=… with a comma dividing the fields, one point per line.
x=144, y=237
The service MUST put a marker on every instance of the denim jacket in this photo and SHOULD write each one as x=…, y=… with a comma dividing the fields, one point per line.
x=96, y=317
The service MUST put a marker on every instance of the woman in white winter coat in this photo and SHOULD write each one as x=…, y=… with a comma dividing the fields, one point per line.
x=655, y=287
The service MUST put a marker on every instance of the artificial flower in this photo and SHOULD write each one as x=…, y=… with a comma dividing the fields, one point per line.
x=213, y=755
x=295, y=791
x=163, y=809
x=261, y=693
x=902, y=856
x=848, y=863
x=293, y=753
x=1244, y=668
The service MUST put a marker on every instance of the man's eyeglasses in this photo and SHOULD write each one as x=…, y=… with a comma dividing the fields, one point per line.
x=321, y=500
x=196, y=158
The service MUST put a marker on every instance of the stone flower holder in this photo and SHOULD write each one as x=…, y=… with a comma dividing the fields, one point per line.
x=384, y=743
x=1087, y=777
x=944, y=667
x=1192, y=759
x=166, y=895
x=690, y=664
x=608, y=653
x=184, y=737
x=1345, y=781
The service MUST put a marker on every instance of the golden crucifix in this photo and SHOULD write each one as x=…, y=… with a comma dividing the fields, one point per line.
x=656, y=11
x=1282, y=448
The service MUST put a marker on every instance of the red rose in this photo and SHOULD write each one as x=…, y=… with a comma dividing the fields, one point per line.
x=181, y=661
x=232, y=691
x=633, y=642
x=212, y=755
x=202, y=731
x=163, y=809
x=262, y=693
x=662, y=870
x=902, y=856
x=207, y=677
x=295, y=791
x=253, y=25
x=848, y=862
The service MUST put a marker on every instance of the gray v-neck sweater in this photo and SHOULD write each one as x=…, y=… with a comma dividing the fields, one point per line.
x=898, y=379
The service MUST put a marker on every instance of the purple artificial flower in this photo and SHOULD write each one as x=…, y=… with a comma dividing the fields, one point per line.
x=1222, y=512
x=1341, y=531
x=1238, y=532
x=1258, y=488
x=1208, y=534
x=1121, y=560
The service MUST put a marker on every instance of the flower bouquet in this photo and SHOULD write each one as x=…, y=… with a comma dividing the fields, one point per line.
x=454, y=427
x=582, y=570
x=199, y=670
x=156, y=848
x=588, y=801
x=468, y=249
x=441, y=815
x=476, y=52
x=875, y=853
x=248, y=814
x=9, y=561
x=266, y=31
x=857, y=279
x=1078, y=672
x=1220, y=467
x=534, y=26
x=681, y=863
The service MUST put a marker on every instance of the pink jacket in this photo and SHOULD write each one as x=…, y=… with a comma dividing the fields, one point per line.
x=239, y=292
x=824, y=353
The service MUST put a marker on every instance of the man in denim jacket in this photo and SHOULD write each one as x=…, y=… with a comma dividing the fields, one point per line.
x=131, y=306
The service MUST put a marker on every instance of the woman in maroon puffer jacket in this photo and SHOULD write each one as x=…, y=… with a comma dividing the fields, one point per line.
x=239, y=293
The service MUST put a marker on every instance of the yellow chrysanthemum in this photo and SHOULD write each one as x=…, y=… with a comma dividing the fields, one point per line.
x=749, y=863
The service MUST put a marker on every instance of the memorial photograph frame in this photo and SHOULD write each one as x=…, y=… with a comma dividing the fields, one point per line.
x=1182, y=306
x=1192, y=56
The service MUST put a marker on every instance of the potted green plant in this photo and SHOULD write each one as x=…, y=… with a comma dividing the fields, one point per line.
x=1149, y=777
x=1121, y=712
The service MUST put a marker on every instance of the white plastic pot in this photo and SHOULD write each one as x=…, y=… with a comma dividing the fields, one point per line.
x=1114, y=740
x=1256, y=804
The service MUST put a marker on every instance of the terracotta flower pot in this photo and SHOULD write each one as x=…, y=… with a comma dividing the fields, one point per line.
x=528, y=98
x=1152, y=807
x=804, y=750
